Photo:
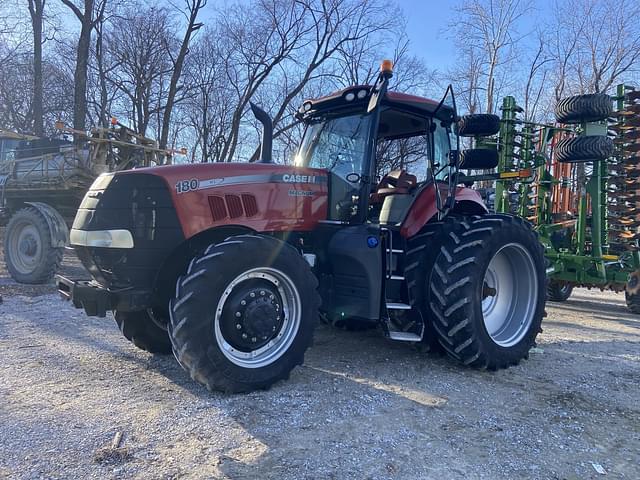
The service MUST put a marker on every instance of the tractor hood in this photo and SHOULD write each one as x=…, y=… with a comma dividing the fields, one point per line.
x=260, y=196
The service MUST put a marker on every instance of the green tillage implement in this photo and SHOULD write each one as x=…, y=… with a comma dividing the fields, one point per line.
x=584, y=246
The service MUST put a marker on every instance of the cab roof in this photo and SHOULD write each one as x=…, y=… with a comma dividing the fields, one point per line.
x=357, y=97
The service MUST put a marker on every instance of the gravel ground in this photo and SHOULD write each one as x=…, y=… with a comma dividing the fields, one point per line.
x=361, y=406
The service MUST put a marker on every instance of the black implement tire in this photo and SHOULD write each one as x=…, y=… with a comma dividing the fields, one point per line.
x=28, y=253
x=478, y=125
x=592, y=107
x=633, y=302
x=495, y=260
x=583, y=149
x=479, y=159
x=559, y=291
x=143, y=331
x=213, y=331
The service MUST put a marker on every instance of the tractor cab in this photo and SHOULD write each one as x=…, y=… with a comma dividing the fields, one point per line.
x=378, y=161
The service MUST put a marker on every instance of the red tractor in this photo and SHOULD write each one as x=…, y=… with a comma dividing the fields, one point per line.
x=231, y=265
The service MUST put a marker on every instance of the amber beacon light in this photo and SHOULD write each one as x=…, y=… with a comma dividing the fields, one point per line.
x=386, y=66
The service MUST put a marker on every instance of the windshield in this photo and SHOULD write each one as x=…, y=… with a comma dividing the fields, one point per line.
x=338, y=145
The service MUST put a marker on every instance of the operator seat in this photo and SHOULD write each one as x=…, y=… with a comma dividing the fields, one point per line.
x=395, y=192
x=396, y=182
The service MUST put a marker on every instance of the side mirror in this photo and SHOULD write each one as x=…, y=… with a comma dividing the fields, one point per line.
x=478, y=125
x=478, y=159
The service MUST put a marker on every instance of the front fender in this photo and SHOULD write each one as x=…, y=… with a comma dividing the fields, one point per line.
x=424, y=207
x=57, y=226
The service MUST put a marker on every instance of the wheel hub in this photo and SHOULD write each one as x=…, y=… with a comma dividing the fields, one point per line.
x=509, y=295
x=28, y=245
x=236, y=324
x=252, y=316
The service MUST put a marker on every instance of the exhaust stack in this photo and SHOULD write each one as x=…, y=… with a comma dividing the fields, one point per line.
x=267, y=133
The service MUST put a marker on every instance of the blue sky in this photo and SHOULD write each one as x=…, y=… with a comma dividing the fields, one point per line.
x=427, y=23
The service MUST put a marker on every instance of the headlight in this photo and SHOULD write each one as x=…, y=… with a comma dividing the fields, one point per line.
x=101, y=238
x=102, y=181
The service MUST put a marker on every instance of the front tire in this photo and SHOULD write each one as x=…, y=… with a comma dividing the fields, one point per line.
x=244, y=314
x=143, y=331
x=487, y=291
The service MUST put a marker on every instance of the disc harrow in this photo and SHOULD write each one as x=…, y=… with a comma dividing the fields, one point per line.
x=624, y=175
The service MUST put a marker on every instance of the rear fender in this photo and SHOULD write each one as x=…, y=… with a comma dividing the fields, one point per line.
x=424, y=207
x=58, y=230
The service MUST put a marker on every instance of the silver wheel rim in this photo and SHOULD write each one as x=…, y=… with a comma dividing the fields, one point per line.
x=291, y=310
x=25, y=247
x=510, y=294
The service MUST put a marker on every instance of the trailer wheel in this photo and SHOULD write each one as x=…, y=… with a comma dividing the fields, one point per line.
x=143, y=331
x=584, y=149
x=592, y=107
x=244, y=313
x=28, y=253
x=487, y=291
x=559, y=291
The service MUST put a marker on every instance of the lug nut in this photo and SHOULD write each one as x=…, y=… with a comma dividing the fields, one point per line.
x=244, y=335
x=238, y=314
x=243, y=302
x=271, y=297
x=262, y=292
x=254, y=339
x=238, y=326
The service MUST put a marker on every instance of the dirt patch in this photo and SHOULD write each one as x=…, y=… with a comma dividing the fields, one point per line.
x=361, y=406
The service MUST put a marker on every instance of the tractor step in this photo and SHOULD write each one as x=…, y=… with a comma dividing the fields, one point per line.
x=398, y=306
x=404, y=336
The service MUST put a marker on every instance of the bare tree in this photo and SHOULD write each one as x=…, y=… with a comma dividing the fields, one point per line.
x=88, y=13
x=536, y=78
x=486, y=32
x=137, y=43
x=604, y=47
x=193, y=8
x=36, y=11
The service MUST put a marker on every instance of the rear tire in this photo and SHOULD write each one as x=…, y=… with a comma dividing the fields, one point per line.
x=244, y=313
x=422, y=252
x=143, y=331
x=487, y=291
x=559, y=291
x=28, y=253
